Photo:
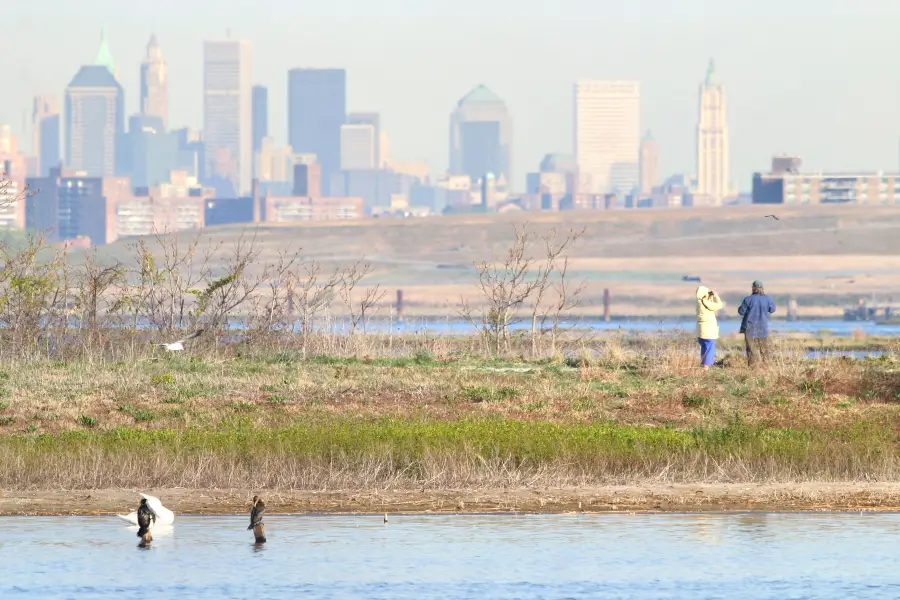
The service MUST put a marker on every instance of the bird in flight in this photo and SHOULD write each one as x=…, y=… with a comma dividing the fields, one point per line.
x=145, y=515
x=256, y=513
x=773, y=216
x=178, y=345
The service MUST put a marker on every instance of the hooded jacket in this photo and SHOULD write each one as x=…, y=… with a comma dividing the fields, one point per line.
x=707, y=325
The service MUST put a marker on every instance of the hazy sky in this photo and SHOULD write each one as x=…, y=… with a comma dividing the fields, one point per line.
x=818, y=78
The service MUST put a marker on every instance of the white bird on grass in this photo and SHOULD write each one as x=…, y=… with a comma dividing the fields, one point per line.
x=178, y=346
x=164, y=516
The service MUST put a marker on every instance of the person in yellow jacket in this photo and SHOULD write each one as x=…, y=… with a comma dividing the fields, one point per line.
x=708, y=304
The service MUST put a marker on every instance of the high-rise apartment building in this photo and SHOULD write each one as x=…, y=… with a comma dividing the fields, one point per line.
x=95, y=119
x=608, y=134
x=649, y=163
x=481, y=136
x=260, y=111
x=713, y=182
x=359, y=147
x=227, y=112
x=317, y=108
x=46, y=127
x=154, y=84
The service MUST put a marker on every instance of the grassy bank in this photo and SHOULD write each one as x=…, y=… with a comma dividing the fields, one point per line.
x=438, y=417
x=459, y=454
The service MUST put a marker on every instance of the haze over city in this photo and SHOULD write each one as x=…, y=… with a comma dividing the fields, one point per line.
x=802, y=77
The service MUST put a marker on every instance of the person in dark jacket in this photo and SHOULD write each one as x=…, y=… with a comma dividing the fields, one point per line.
x=755, y=311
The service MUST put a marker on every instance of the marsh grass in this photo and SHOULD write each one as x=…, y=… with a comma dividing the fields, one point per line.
x=344, y=453
x=620, y=410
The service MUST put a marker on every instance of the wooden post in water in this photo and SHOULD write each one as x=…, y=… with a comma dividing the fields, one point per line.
x=606, y=303
x=146, y=539
x=399, y=305
x=259, y=532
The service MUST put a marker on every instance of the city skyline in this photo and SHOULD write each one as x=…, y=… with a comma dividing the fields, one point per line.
x=769, y=112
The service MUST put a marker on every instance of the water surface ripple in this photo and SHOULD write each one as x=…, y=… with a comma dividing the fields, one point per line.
x=681, y=557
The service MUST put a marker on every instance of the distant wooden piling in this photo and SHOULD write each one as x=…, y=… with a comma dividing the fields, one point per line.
x=399, y=305
x=606, y=302
x=259, y=532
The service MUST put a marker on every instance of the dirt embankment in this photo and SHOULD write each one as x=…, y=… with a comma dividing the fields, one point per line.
x=637, y=498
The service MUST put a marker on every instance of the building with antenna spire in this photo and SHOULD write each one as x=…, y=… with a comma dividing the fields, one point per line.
x=104, y=56
x=154, y=83
x=95, y=117
x=713, y=182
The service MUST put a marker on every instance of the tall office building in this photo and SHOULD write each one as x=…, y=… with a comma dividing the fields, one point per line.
x=712, y=141
x=260, y=111
x=359, y=147
x=46, y=127
x=95, y=117
x=374, y=120
x=481, y=136
x=649, y=163
x=154, y=84
x=607, y=134
x=152, y=152
x=227, y=113
x=317, y=107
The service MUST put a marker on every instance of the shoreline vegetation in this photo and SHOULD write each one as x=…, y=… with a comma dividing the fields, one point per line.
x=499, y=419
x=432, y=424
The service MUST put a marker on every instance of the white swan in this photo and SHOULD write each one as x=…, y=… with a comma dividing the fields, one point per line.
x=164, y=516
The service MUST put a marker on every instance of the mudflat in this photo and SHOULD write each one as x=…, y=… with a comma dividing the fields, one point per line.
x=650, y=497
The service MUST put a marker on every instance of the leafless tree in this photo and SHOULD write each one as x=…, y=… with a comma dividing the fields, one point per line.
x=550, y=276
x=505, y=284
x=511, y=281
x=357, y=306
x=313, y=294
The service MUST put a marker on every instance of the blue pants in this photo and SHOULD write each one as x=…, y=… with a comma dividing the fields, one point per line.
x=707, y=352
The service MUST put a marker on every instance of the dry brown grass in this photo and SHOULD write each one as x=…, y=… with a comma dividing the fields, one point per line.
x=624, y=380
x=618, y=411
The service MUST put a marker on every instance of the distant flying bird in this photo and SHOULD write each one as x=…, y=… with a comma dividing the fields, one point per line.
x=145, y=516
x=178, y=346
x=773, y=216
x=256, y=513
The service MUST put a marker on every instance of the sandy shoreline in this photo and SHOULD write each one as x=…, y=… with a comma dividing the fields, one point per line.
x=637, y=498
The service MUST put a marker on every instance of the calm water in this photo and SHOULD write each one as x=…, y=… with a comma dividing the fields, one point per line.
x=824, y=327
x=758, y=556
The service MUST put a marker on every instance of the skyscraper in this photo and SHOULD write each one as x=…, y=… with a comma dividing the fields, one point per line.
x=95, y=117
x=317, y=107
x=260, y=116
x=152, y=152
x=373, y=119
x=481, y=136
x=607, y=134
x=649, y=163
x=712, y=141
x=154, y=84
x=227, y=113
x=359, y=147
x=46, y=128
